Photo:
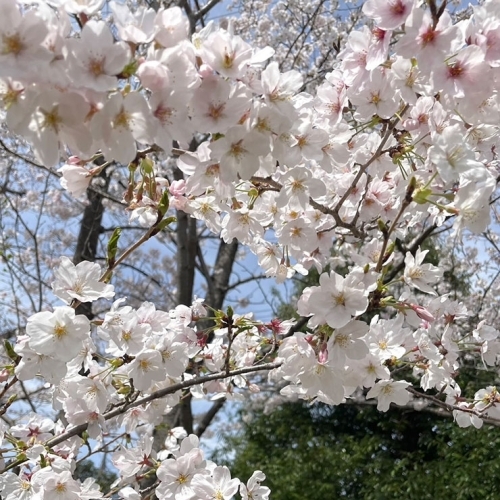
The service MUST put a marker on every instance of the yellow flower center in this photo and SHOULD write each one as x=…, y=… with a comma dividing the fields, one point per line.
x=144, y=365
x=215, y=112
x=60, y=488
x=96, y=67
x=122, y=119
x=12, y=45
x=228, y=61
x=182, y=479
x=237, y=150
x=60, y=331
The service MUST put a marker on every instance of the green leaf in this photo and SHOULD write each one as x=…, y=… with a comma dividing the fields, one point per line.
x=421, y=196
x=164, y=203
x=147, y=166
x=163, y=224
x=10, y=351
x=113, y=246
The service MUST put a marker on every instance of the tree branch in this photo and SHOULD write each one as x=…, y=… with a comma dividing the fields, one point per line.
x=209, y=416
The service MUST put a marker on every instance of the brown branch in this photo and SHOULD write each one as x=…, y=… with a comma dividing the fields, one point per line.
x=209, y=416
x=374, y=157
x=412, y=249
x=450, y=408
x=79, y=429
x=160, y=394
x=205, y=9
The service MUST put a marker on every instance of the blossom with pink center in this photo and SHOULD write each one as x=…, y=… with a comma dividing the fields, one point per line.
x=419, y=117
x=336, y=300
x=218, y=105
x=464, y=74
x=388, y=14
x=429, y=44
x=379, y=48
x=227, y=54
x=238, y=153
x=377, y=195
x=354, y=56
x=330, y=102
x=170, y=118
x=121, y=122
x=21, y=36
x=95, y=59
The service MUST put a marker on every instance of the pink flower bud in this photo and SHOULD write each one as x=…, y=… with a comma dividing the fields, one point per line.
x=153, y=75
x=275, y=326
x=74, y=160
x=206, y=71
x=177, y=188
x=179, y=203
x=323, y=353
x=422, y=313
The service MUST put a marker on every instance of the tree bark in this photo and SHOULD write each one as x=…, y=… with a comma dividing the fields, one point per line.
x=90, y=230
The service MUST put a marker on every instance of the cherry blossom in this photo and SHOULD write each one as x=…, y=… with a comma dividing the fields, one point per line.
x=95, y=59
x=75, y=179
x=22, y=36
x=81, y=282
x=345, y=168
x=389, y=391
x=418, y=274
x=253, y=489
x=389, y=14
x=336, y=300
x=137, y=27
x=121, y=122
x=59, y=333
x=218, y=485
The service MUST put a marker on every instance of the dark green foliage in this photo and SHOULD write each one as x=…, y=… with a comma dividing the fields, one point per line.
x=321, y=452
x=355, y=452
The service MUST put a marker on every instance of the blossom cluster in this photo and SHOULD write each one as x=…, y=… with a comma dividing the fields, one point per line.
x=400, y=135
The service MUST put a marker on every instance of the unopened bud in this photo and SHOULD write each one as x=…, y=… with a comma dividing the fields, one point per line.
x=323, y=354
x=4, y=375
x=422, y=313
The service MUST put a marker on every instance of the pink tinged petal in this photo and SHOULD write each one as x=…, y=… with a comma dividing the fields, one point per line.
x=389, y=14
